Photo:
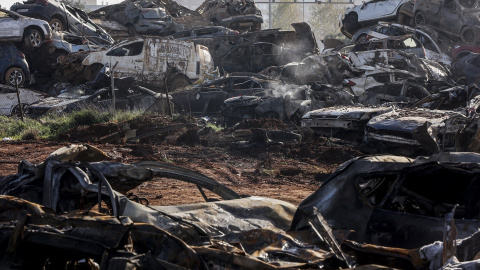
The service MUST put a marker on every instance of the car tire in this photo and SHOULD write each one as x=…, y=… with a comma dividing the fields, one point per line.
x=419, y=19
x=33, y=38
x=467, y=35
x=19, y=111
x=10, y=76
x=178, y=81
x=57, y=24
x=350, y=24
x=132, y=31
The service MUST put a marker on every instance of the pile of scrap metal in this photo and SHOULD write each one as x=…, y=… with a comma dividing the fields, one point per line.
x=372, y=210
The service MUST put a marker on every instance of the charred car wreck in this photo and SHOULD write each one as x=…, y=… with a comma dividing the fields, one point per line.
x=53, y=204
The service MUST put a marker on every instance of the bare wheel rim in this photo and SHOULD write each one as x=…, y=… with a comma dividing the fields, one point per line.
x=17, y=74
x=35, y=38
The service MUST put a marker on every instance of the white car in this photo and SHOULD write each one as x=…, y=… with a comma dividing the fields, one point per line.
x=369, y=13
x=16, y=28
x=151, y=60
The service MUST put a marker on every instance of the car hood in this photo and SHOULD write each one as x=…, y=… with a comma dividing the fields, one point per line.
x=357, y=112
x=408, y=120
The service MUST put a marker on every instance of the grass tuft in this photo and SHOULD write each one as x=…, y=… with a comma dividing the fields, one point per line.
x=50, y=126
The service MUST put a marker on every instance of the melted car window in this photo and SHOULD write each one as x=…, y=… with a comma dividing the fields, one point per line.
x=374, y=188
x=131, y=49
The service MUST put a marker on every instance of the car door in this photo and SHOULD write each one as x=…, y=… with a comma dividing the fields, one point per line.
x=9, y=27
x=129, y=60
x=210, y=99
x=387, y=8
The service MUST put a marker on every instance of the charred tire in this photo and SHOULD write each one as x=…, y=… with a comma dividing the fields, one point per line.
x=361, y=38
x=467, y=35
x=12, y=73
x=57, y=24
x=91, y=71
x=132, y=31
x=419, y=19
x=178, y=81
x=350, y=24
x=33, y=38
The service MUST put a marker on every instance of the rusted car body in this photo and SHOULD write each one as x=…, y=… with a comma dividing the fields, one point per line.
x=151, y=60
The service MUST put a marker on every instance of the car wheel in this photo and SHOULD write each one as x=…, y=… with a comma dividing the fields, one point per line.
x=362, y=38
x=57, y=25
x=19, y=111
x=33, y=38
x=350, y=24
x=177, y=82
x=131, y=31
x=419, y=19
x=467, y=35
x=13, y=73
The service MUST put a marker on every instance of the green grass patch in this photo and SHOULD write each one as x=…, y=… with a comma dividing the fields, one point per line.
x=50, y=126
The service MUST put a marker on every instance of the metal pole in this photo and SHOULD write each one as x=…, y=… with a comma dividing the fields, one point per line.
x=269, y=14
x=113, y=86
x=166, y=86
x=18, y=96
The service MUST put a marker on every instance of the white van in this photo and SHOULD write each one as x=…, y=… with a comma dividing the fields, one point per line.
x=152, y=59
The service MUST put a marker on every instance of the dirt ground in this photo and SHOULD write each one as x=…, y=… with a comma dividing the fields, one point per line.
x=288, y=171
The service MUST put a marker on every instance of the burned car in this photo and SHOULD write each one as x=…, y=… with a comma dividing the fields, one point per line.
x=254, y=57
x=141, y=17
x=63, y=17
x=466, y=69
x=369, y=13
x=287, y=103
x=452, y=17
x=46, y=58
x=9, y=100
x=329, y=121
x=398, y=202
x=152, y=59
x=208, y=98
x=16, y=28
x=384, y=30
x=237, y=15
x=13, y=66
x=420, y=130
